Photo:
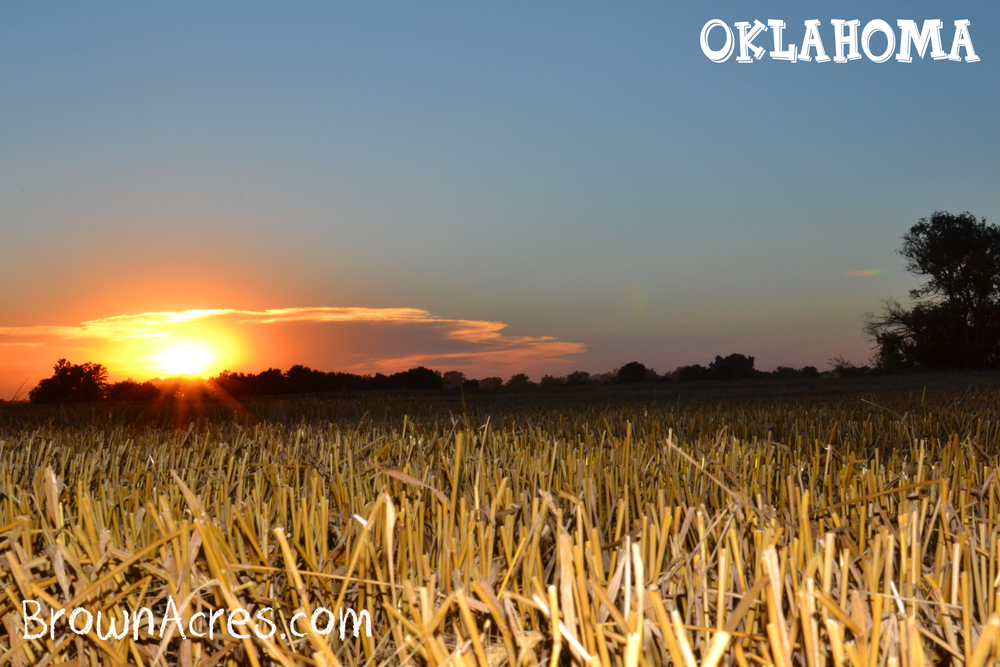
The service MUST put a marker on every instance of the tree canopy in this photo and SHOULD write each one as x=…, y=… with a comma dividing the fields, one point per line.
x=72, y=383
x=954, y=322
x=632, y=373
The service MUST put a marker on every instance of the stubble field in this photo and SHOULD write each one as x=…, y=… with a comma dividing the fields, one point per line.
x=789, y=525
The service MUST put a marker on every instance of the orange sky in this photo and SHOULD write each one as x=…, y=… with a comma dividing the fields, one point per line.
x=360, y=340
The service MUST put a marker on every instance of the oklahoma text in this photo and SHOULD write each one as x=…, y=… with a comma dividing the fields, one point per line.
x=845, y=41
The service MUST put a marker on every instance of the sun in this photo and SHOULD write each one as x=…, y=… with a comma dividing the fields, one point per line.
x=185, y=359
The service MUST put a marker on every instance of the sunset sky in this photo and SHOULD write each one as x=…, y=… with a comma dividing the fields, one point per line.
x=486, y=187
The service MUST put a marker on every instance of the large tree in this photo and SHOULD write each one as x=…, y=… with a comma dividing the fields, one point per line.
x=954, y=322
x=72, y=383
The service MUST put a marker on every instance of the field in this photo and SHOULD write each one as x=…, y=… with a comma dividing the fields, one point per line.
x=820, y=523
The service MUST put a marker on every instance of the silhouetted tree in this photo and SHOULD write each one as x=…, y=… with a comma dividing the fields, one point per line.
x=272, y=381
x=130, y=390
x=578, y=377
x=418, y=378
x=692, y=373
x=845, y=369
x=733, y=367
x=491, y=382
x=893, y=352
x=519, y=381
x=234, y=384
x=955, y=319
x=632, y=373
x=552, y=381
x=72, y=383
x=301, y=379
x=787, y=373
x=453, y=379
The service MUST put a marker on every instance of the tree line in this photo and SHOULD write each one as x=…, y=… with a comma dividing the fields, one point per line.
x=952, y=324
x=88, y=382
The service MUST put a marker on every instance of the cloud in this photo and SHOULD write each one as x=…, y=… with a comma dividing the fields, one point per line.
x=119, y=327
x=362, y=340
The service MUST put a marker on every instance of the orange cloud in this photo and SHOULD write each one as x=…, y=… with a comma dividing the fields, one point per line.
x=361, y=340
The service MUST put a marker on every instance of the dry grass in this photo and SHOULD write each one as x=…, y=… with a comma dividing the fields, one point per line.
x=794, y=533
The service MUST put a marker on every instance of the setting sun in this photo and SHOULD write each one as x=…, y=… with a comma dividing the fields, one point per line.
x=185, y=359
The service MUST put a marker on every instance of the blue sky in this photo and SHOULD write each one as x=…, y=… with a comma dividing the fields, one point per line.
x=573, y=170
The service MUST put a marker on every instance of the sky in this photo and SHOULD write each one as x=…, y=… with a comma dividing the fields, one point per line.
x=485, y=187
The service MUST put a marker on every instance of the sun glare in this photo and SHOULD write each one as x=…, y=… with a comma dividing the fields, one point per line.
x=185, y=359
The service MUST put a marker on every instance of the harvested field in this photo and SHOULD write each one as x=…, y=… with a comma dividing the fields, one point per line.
x=852, y=529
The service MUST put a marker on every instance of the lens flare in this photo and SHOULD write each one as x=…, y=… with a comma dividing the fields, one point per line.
x=865, y=273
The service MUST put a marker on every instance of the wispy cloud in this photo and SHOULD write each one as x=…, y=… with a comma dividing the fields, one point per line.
x=119, y=327
x=332, y=338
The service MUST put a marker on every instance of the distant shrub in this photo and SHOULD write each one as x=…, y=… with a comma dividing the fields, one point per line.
x=845, y=369
x=787, y=373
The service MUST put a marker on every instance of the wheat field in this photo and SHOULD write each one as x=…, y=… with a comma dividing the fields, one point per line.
x=788, y=531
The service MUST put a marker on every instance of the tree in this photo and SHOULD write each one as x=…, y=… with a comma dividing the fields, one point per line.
x=786, y=372
x=733, y=367
x=130, y=390
x=552, y=381
x=845, y=369
x=72, y=383
x=301, y=379
x=418, y=378
x=519, y=381
x=692, y=373
x=955, y=319
x=632, y=373
x=453, y=379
